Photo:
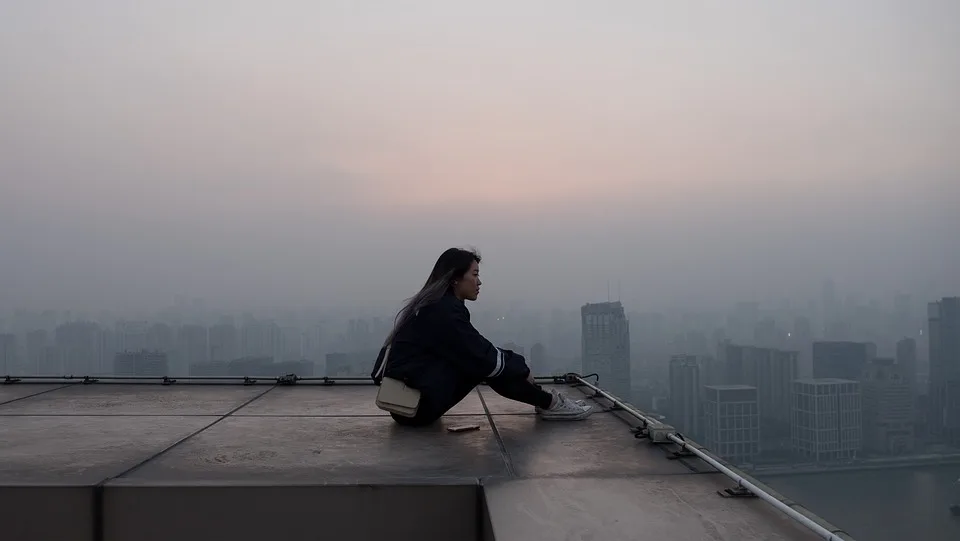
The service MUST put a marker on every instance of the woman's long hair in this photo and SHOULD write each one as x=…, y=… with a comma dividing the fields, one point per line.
x=452, y=264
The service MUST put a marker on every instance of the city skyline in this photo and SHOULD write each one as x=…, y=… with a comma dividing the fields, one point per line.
x=720, y=235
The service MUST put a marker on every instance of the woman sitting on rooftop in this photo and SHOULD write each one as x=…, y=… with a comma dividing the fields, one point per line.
x=435, y=350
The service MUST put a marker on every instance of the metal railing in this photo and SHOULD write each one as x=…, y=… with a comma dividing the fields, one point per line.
x=659, y=431
x=285, y=379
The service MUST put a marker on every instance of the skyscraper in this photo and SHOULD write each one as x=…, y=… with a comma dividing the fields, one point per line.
x=606, y=345
x=771, y=372
x=133, y=335
x=224, y=342
x=141, y=363
x=685, y=394
x=888, y=408
x=538, y=360
x=944, y=336
x=907, y=359
x=841, y=360
x=80, y=348
x=8, y=354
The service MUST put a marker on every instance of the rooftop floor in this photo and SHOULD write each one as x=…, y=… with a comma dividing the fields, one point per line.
x=119, y=462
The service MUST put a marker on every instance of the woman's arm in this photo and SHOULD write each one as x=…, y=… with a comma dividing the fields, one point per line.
x=461, y=343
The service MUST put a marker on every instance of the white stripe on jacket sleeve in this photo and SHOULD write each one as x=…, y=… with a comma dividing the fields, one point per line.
x=498, y=369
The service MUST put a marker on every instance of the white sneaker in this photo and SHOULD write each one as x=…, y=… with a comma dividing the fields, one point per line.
x=566, y=409
x=578, y=402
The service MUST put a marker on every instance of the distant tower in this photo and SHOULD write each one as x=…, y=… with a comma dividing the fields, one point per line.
x=944, y=324
x=606, y=346
x=538, y=360
x=8, y=354
x=887, y=404
x=685, y=388
x=907, y=359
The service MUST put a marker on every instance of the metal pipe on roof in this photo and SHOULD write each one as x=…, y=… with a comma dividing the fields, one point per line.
x=185, y=380
x=688, y=446
x=648, y=421
x=759, y=492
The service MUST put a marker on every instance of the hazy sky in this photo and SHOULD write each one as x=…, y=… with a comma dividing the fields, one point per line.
x=300, y=152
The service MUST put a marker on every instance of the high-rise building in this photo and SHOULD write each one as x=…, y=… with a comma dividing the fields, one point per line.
x=827, y=422
x=772, y=372
x=841, y=360
x=944, y=351
x=907, y=358
x=107, y=343
x=538, y=360
x=292, y=344
x=160, y=337
x=731, y=422
x=768, y=334
x=801, y=340
x=224, y=342
x=9, y=363
x=141, y=363
x=51, y=362
x=79, y=346
x=606, y=345
x=265, y=339
x=191, y=347
x=354, y=363
x=133, y=335
x=36, y=341
x=888, y=408
x=685, y=395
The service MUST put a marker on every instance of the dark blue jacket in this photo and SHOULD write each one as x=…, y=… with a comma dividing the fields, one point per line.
x=439, y=349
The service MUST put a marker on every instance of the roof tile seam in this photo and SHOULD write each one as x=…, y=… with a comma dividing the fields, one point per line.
x=507, y=460
x=98, y=489
x=45, y=391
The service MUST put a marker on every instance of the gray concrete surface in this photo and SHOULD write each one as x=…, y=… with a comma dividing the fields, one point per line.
x=644, y=507
x=80, y=450
x=10, y=393
x=179, y=462
x=110, y=399
x=329, y=449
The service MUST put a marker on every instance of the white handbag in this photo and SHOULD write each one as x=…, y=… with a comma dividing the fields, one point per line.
x=394, y=395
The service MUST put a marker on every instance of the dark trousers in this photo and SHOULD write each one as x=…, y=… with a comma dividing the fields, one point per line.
x=434, y=405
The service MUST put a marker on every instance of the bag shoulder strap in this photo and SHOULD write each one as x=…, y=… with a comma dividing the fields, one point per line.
x=378, y=375
x=383, y=365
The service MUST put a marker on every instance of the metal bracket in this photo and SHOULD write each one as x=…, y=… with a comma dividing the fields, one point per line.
x=682, y=453
x=10, y=379
x=329, y=381
x=87, y=380
x=168, y=381
x=247, y=380
x=736, y=492
x=289, y=379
